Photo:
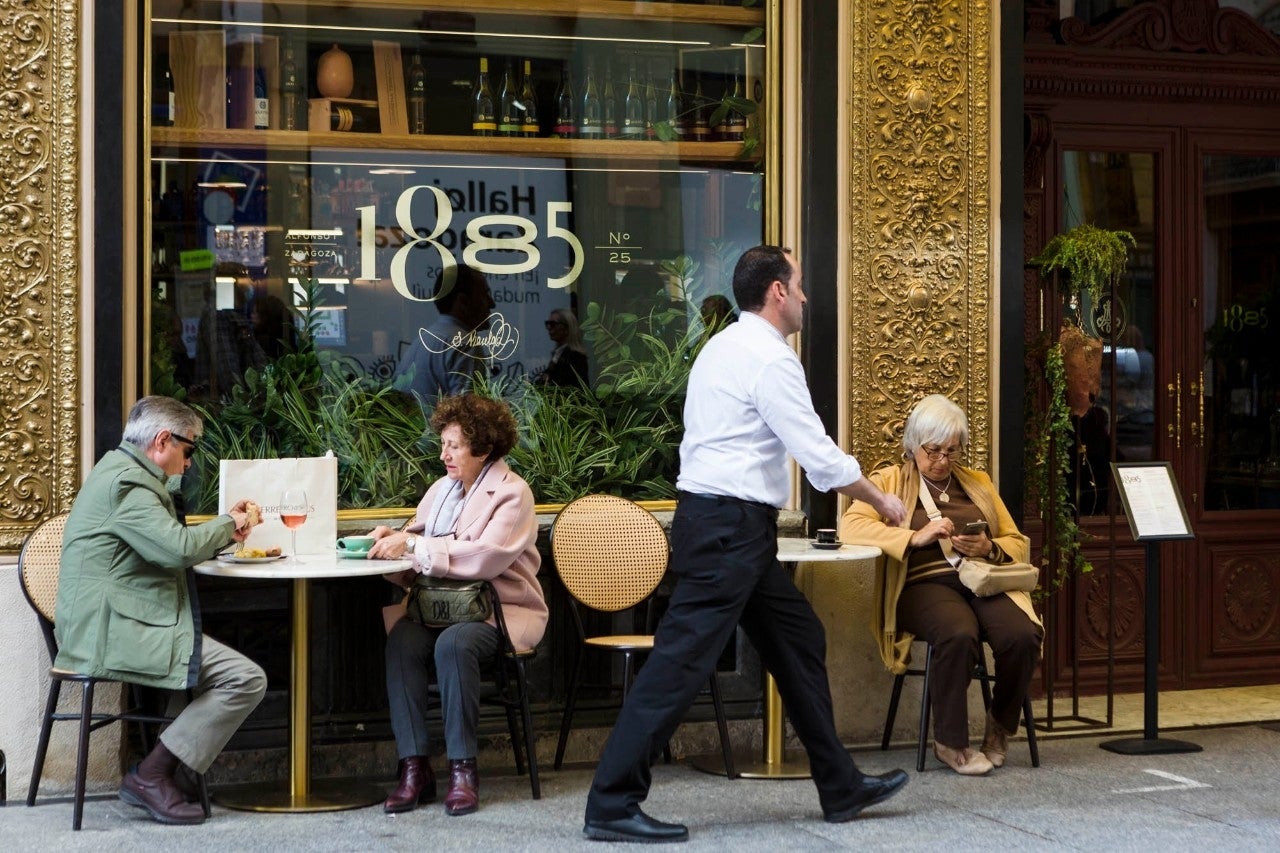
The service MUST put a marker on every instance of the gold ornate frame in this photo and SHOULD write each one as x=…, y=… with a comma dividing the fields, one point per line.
x=40, y=244
x=919, y=188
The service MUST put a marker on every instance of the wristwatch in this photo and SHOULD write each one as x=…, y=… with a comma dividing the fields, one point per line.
x=410, y=544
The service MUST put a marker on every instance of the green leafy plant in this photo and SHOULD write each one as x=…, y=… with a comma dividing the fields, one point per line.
x=1089, y=256
x=1049, y=459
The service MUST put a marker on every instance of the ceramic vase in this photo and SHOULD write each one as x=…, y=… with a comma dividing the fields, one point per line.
x=335, y=76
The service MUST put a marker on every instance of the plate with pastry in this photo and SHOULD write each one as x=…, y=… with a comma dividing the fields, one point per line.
x=251, y=555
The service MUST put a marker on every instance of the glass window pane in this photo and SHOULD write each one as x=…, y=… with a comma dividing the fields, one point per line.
x=327, y=175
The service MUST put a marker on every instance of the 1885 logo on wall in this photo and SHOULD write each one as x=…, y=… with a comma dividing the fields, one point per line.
x=481, y=237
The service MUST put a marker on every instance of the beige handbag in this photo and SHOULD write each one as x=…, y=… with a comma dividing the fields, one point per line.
x=983, y=578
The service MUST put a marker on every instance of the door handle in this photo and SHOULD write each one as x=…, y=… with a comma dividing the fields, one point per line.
x=1201, y=416
x=1174, y=429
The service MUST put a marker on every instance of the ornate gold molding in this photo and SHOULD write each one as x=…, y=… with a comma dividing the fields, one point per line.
x=920, y=260
x=39, y=262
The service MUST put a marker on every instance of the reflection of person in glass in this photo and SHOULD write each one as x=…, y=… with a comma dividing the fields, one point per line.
x=272, y=326
x=717, y=312
x=568, y=365
x=475, y=523
x=919, y=594
x=225, y=346
x=444, y=358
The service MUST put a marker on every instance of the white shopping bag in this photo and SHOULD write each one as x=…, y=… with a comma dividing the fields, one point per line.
x=264, y=481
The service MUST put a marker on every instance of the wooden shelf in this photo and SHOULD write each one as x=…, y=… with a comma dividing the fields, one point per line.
x=569, y=149
x=603, y=10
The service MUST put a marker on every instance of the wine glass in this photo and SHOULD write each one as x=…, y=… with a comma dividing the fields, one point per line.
x=293, y=514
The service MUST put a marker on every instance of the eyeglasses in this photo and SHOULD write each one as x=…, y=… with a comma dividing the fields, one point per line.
x=190, y=449
x=554, y=324
x=936, y=453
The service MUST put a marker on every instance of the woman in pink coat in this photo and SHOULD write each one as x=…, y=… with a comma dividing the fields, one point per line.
x=476, y=522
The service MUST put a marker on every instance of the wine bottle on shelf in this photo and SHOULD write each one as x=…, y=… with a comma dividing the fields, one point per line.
x=734, y=123
x=261, y=103
x=290, y=88
x=167, y=101
x=651, y=115
x=591, y=119
x=528, y=104
x=508, y=97
x=417, y=95
x=348, y=119
x=699, y=130
x=609, y=103
x=675, y=104
x=633, y=105
x=483, y=120
x=566, y=110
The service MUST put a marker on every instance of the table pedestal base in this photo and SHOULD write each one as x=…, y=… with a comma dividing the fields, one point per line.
x=794, y=765
x=1149, y=746
x=325, y=795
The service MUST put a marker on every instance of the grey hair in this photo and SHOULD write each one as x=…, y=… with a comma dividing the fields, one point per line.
x=150, y=415
x=934, y=420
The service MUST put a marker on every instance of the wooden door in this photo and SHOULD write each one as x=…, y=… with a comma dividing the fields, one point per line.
x=1176, y=140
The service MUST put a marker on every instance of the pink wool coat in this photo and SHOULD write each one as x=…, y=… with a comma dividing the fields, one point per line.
x=496, y=541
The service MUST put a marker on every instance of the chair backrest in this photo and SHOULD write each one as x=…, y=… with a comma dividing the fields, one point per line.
x=610, y=553
x=39, y=566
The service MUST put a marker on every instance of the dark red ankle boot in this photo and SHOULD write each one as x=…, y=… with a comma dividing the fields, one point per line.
x=417, y=785
x=464, y=787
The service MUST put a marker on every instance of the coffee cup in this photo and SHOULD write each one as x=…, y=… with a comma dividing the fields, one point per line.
x=355, y=544
x=826, y=536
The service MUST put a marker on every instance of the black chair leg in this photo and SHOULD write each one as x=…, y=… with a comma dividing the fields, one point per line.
x=924, y=710
x=513, y=729
x=42, y=748
x=530, y=742
x=893, y=710
x=722, y=723
x=1028, y=720
x=566, y=719
x=82, y=752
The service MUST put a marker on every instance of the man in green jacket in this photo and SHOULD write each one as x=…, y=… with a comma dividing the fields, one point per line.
x=126, y=608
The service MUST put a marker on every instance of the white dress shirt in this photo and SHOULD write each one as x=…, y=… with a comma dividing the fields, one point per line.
x=746, y=408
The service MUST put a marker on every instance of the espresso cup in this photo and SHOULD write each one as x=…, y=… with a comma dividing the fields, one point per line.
x=355, y=544
x=826, y=536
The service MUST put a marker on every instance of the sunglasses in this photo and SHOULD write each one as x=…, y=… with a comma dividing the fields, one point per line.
x=554, y=324
x=190, y=449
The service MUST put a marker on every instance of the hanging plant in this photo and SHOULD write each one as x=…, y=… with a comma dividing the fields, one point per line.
x=1089, y=256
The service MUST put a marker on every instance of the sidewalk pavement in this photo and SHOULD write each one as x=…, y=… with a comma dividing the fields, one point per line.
x=1080, y=798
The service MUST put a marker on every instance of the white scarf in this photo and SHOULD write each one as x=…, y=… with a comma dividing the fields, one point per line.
x=448, y=505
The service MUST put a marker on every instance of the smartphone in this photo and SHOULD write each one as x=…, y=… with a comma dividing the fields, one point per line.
x=973, y=528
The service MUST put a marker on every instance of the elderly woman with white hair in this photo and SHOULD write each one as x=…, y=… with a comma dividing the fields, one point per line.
x=919, y=594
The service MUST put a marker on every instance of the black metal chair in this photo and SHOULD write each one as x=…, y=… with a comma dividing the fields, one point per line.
x=510, y=662
x=38, y=567
x=980, y=675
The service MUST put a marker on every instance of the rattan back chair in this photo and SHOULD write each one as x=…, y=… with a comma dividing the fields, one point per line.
x=39, y=567
x=611, y=554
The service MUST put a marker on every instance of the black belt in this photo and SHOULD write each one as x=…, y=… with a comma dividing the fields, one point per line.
x=727, y=499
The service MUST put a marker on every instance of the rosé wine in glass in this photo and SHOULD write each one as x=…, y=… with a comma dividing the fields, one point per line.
x=293, y=514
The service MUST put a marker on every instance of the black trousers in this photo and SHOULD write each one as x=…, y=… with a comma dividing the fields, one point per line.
x=724, y=558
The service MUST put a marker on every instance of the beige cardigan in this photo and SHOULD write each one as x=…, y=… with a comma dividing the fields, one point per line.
x=862, y=525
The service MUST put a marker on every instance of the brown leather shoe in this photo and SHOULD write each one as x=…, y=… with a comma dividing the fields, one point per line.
x=417, y=785
x=464, y=787
x=966, y=762
x=161, y=798
x=995, y=742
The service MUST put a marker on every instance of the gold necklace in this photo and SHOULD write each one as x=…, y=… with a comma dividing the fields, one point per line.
x=942, y=491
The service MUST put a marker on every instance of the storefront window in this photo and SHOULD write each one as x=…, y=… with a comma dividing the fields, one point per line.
x=524, y=199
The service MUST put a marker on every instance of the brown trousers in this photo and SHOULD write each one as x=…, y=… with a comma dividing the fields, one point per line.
x=944, y=613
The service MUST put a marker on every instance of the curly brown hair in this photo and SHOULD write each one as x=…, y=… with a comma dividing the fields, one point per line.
x=487, y=425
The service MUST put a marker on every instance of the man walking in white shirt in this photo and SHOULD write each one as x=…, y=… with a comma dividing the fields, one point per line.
x=747, y=407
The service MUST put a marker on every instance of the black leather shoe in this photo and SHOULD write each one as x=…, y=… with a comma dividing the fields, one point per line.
x=874, y=789
x=639, y=828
